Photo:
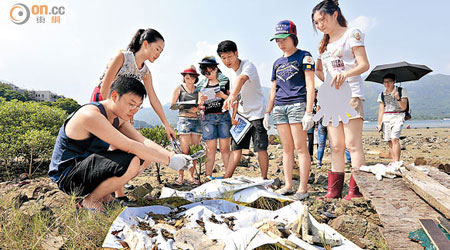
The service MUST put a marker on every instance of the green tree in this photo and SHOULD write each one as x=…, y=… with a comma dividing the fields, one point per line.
x=9, y=94
x=158, y=135
x=67, y=104
x=28, y=132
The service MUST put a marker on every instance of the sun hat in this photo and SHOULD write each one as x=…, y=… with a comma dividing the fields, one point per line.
x=190, y=70
x=209, y=60
x=284, y=29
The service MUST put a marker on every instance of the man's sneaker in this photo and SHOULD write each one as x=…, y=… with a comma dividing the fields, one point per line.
x=300, y=196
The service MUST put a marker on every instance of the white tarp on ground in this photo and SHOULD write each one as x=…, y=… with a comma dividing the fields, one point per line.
x=244, y=236
x=243, y=189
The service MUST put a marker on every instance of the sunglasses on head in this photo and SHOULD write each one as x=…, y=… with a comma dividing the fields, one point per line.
x=205, y=71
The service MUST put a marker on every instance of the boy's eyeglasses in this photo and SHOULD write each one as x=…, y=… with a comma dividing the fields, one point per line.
x=133, y=107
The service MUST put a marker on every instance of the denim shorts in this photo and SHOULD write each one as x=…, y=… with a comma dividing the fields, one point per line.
x=290, y=113
x=188, y=125
x=216, y=126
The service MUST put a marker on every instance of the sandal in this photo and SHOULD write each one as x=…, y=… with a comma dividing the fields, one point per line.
x=179, y=182
x=285, y=191
x=80, y=206
x=193, y=181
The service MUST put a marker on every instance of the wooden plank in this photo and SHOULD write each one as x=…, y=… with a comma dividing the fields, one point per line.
x=429, y=189
x=437, y=175
x=435, y=234
x=398, y=207
x=444, y=223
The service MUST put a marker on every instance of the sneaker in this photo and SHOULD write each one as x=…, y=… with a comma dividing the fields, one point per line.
x=300, y=196
x=319, y=165
x=285, y=191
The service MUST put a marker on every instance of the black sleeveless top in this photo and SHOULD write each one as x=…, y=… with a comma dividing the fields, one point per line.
x=186, y=96
x=67, y=150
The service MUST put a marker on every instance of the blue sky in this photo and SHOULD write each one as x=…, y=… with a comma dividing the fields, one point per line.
x=69, y=57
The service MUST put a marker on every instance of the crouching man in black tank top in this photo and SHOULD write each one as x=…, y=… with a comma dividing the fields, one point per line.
x=81, y=163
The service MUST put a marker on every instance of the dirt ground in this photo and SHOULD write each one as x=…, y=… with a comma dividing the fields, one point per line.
x=356, y=219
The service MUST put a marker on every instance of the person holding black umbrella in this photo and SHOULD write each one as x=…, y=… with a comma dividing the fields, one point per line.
x=342, y=53
x=391, y=115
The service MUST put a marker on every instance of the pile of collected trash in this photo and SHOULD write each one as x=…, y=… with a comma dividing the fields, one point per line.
x=218, y=217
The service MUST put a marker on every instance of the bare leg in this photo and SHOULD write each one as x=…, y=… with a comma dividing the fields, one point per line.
x=353, y=142
x=284, y=130
x=211, y=146
x=195, y=140
x=304, y=159
x=263, y=160
x=185, y=141
x=94, y=199
x=224, y=146
x=235, y=157
x=391, y=150
x=396, y=149
x=337, y=142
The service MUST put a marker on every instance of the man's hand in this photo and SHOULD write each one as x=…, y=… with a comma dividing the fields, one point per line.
x=379, y=127
x=228, y=104
x=266, y=121
x=395, y=94
x=307, y=121
x=180, y=162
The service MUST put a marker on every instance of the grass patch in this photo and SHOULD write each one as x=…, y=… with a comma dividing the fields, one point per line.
x=76, y=229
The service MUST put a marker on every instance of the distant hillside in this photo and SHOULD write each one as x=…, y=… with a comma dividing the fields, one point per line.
x=429, y=99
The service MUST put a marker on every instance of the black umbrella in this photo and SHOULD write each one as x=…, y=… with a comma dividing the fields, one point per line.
x=403, y=72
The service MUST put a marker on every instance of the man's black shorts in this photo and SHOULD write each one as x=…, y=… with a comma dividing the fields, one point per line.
x=88, y=173
x=259, y=135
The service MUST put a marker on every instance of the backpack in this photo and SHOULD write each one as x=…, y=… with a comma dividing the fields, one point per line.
x=407, y=110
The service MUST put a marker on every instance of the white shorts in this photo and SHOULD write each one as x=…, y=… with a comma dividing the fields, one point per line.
x=392, y=125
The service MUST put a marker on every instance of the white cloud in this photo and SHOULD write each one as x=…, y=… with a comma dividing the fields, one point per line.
x=364, y=23
x=448, y=67
x=203, y=48
x=2, y=64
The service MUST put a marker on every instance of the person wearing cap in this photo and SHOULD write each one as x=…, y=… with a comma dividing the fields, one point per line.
x=391, y=114
x=251, y=106
x=189, y=126
x=216, y=122
x=292, y=99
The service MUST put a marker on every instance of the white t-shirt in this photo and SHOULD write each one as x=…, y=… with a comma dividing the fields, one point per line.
x=339, y=58
x=130, y=69
x=252, y=104
x=390, y=103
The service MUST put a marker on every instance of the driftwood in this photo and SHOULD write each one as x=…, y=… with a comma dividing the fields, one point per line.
x=435, y=234
x=429, y=189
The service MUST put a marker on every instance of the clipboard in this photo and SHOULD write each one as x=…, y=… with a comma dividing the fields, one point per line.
x=239, y=131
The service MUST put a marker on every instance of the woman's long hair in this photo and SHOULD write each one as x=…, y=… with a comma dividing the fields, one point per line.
x=328, y=7
x=149, y=35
